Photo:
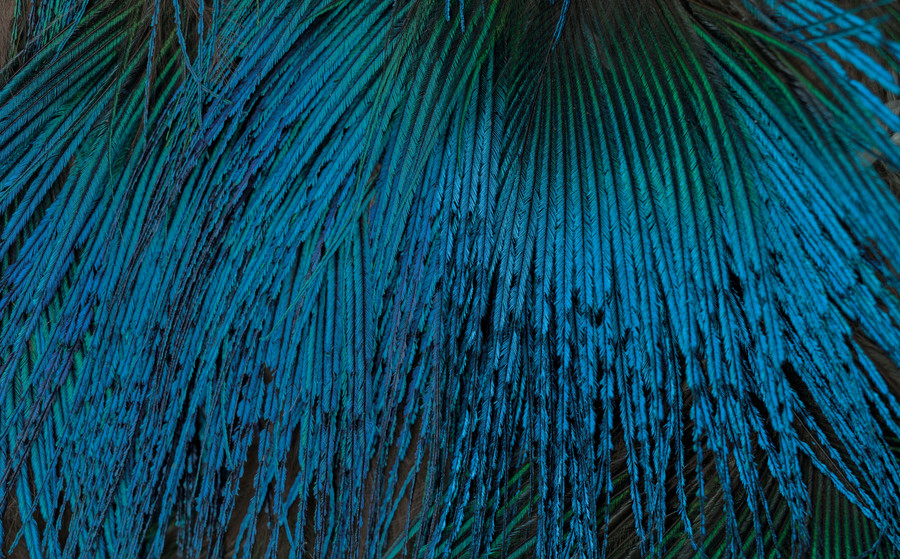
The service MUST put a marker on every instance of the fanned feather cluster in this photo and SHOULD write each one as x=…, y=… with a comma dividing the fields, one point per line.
x=384, y=279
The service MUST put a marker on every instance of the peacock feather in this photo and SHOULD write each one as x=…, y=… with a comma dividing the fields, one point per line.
x=395, y=278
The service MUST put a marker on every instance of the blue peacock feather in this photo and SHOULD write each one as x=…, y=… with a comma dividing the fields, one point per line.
x=394, y=278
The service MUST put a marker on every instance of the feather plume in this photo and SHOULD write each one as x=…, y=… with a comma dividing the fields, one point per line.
x=434, y=279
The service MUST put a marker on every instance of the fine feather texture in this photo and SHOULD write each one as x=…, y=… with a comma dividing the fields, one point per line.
x=434, y=279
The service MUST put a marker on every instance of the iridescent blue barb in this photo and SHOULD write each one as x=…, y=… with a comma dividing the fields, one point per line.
x=394, y=278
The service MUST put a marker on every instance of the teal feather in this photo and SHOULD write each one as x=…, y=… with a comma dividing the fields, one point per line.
x=332, y=279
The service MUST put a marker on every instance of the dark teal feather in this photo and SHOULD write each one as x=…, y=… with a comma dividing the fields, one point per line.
x=438, y=279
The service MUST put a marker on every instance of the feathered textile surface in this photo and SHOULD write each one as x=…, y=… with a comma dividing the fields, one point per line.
x=396, y=278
